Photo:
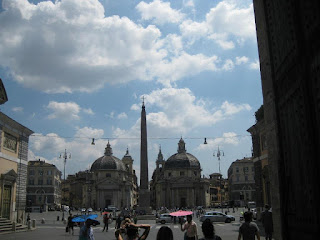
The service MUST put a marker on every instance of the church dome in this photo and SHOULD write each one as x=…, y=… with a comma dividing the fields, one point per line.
x=182, y=159
x=107, y=162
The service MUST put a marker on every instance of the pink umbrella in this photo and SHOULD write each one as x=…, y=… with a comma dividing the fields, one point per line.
x=181, y=213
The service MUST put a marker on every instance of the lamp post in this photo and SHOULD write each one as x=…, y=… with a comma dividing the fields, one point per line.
x=218, y=154
x=65, y=156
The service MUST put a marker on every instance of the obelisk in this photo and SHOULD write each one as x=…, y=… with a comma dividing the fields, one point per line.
x=144, y=193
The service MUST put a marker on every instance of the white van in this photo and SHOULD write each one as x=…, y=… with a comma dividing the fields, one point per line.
x=252, y=205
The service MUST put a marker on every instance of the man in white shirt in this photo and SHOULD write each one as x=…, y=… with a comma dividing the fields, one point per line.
x=191, y=229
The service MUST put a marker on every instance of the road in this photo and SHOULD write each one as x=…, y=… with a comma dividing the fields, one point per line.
x=53, y=229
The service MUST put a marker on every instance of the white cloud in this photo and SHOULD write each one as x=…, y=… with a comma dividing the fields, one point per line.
x=227, y=138
x=228, y=65
x=189, y=3
x=230, y=108
x=135, y=107
x=122, y=115
x=69, y=42
x=255, y=65
x=160, y=12
x=193, y=30
x=184, y=65
x=227, y=23
x=180, y=112
x=88, y=111
x=66, y=111
x=241, y=60
x=48, y=147
x=17, y=109
x=89, y=132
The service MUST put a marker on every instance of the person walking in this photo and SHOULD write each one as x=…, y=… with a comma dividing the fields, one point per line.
x=105, y=222
x=70, y=224
x=267, y=223
x=208, y=231
x=191, y=229
x=118, y=222
x=86, y=232
x=248, y=230
x=165, y=233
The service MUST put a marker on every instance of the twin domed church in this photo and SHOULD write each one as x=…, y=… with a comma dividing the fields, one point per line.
x=176, y=182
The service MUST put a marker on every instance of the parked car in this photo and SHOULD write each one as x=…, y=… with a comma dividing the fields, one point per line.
x=89, y=210
x=111, y=208
x=164, y=218
x=83, y=210
x=217, y=217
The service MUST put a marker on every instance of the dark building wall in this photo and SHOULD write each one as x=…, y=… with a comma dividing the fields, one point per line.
x=289, y=52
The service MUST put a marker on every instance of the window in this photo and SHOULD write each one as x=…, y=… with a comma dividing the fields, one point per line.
x=238, y=178
x=31, y=172
x=237, y=169
x=49, y=172
x=49, y=181
x=246, y=178
x=169, y=174
x=40, y=181
x=31, y=181
x=181, y=173
x=40, y=172
x=108, y=175
x=195, y=173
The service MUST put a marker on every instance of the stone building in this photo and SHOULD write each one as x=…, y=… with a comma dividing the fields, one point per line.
x=114, y=181
x=43, y=186
x=241, y=181
x=177, y=182
x=219, y=193
x=14, y=139
x=289, y=53
x=260, y=161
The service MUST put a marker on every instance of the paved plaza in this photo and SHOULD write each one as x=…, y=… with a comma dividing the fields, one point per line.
x=53, y=229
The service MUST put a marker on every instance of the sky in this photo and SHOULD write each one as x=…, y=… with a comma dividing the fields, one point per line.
x=77, y=69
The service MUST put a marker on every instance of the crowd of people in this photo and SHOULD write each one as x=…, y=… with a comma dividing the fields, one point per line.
x=127, y=228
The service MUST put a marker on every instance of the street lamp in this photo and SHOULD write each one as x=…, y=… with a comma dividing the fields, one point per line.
x=65, y=156
x=218, y=154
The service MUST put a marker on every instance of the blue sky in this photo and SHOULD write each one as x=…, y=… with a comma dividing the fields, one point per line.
x=77, y=69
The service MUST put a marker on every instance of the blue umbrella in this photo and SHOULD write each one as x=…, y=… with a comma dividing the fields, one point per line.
x=84, y=218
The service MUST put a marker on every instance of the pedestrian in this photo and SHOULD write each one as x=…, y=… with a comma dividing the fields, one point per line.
x=132, y=231
x=135, y=218
x=105, y=222
x=28, y=218
x=267, y=223
x=248, y=230
x=118, y=222
x=191, y=229
x=208, y=231
x=165, y=233
x=70, y=224
x=86, y=232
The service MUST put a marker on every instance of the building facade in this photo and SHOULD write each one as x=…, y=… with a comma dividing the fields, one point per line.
x=43, y=186
x=260, y=161
x=219, y=193
x=14, y=139
x=113, y=182
x=241, y=182
x=177, y=182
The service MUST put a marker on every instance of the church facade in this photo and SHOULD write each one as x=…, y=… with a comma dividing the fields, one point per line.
x=113, y=181
x=177, y=181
